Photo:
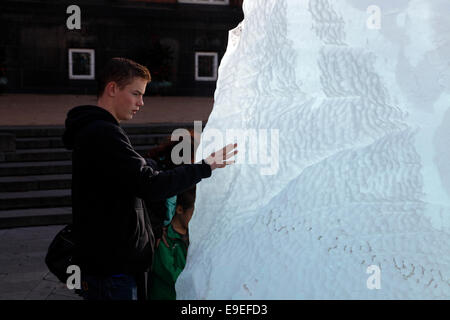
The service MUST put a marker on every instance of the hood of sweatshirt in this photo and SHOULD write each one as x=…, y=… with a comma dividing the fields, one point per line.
x=81, y=116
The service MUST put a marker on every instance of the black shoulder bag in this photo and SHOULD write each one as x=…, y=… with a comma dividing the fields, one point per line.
x=60, y=253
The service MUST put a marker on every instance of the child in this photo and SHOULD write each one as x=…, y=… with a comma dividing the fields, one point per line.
x=170, y=255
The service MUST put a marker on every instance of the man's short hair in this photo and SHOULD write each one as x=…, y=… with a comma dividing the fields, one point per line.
x=122, y=71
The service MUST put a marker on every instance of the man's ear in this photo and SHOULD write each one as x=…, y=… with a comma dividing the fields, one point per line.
x=111, y=88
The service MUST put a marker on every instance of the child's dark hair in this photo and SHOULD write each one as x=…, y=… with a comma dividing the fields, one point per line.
x=163, y=152
x=122, y=71
x=186, y=199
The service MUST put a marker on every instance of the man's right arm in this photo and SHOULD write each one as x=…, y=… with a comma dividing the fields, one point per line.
x=117, y=159
x=158, y=185
x=183, y=177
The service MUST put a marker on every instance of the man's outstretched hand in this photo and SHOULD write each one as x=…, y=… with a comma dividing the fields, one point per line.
x=218, y=159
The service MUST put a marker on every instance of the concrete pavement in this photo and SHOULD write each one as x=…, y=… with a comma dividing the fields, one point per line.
x=23, y=273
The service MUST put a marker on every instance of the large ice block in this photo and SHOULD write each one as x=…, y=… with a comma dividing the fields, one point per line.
x=343, y=190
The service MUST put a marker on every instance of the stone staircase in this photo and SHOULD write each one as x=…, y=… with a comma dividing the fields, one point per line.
x=35, y=171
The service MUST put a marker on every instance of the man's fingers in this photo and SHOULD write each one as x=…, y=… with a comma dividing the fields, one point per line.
x=217, y=159
x=225, y=153
x=228, y=148
x=231, y=154
x=231, y=146
x=225, y=163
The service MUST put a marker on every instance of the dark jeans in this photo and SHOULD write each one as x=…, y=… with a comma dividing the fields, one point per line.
x=115, y=287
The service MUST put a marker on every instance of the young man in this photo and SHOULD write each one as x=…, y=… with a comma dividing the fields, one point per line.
x=110, y=180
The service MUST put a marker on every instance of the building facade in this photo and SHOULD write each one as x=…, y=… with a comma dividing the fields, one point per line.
x=60, y=46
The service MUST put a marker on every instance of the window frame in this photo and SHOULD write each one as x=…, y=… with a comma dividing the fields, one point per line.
x=91, y=75
x=215, y=65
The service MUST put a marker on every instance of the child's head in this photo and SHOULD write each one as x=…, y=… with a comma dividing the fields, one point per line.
x=185, y=207
x=162, y=153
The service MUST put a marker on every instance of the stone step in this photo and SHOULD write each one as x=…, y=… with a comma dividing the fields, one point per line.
x=35, y=199
x=157, y=128
x=56, y=142
x=28, y=166
x=26, y=155
x=35, y=217
x=35, y=179
x=57, y=131
x=35, y=182
x=34, y=131
x=138, y=140
x=39, y=143
x=35, y=168
x=55, y=154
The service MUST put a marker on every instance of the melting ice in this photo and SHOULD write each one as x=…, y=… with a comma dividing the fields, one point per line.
x=359, y=207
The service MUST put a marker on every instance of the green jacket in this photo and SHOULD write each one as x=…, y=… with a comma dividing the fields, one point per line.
x=167, y=266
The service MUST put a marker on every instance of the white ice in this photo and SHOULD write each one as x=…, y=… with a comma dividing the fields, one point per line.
x=362, y=175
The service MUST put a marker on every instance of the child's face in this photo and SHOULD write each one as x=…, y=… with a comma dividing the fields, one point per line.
x=188, y=214
x=185, y=215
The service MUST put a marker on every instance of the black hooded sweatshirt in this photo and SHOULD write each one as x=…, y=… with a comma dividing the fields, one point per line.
x=110, y=180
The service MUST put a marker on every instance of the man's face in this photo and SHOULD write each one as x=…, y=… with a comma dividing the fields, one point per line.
x=128, y=100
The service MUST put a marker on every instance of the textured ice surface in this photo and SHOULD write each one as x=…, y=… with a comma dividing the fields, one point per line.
x=363, y=175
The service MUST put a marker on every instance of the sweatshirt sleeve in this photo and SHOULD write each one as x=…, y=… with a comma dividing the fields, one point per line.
x=159, y=185
x=132, y=171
